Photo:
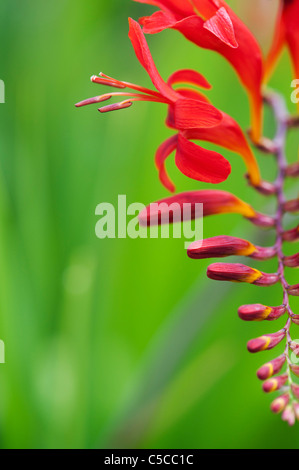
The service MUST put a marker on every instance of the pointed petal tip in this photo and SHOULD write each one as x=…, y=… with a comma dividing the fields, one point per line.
x=222, y=27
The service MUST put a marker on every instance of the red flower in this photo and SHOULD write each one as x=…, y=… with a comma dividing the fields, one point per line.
x=212, y=24
x=286, y=33
x=190, y=113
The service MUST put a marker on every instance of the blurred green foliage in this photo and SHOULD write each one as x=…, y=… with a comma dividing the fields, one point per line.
x=115, y=343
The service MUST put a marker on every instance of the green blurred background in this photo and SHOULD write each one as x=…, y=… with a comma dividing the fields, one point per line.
x=116, y=343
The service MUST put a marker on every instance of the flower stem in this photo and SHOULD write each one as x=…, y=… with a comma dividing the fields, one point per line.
x=283, y=120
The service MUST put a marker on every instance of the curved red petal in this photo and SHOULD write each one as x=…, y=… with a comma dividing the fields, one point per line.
x=201, y=164
x=188, y=76
x=144, y=56
x=222, y=27
x=177, y=7
x=229, y=135
x=163, y=152
x=157, y=22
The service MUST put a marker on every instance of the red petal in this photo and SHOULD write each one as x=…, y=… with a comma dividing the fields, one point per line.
x=222, y=27
x=177, y=7
x=192, y=114
x=201, y=164
x=165, y=149
x=229, y=135
x=157, y=22
x=144, y=56
x=192, y=94
x=188, y=76
x=276, y=47
x=246, y=59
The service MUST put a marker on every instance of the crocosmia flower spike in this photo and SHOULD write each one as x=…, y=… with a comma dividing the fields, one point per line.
x=193, y=119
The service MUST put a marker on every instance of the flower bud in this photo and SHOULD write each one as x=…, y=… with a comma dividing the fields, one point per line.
x=296, y=410
x=275, y=383
x=294, y=290
x=291, y=235
x=214, y=202
x=291, y=206
x=295, y=319
x=265, y=342
x=259, y=312
x=240, y=273
x=279, y=404
x=292, y=170
x=271, y=368
x=220, y=247
x=289, y=415
x=295, y=390
x=295, y=369
x=291, y=261
x=294, y=347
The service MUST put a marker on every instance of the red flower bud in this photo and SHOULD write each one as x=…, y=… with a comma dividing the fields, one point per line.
x=240, y=273
x=289, y=415
x=291, y=261
x=295, y=369
x=291, y=206
x=294, y=290
x=275, y=383
x=291, y=235
x=295, y=319
x=279, y=404
x=292, y=170
x=220, y=247
x=259, y=312
x=271, y=368
x=265, y=342
x=296, y=410
x=214, y=202
x=295, y=390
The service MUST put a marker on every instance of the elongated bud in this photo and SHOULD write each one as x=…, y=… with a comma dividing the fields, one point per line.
x=240, y=273
x=214, y=202
x=294, y=290
x=291, y=261
x=279, y=404
x=294, y=347
x=265, y=342
x=295, y=390
x=271, y=368
x=292, y=170
x=295, y=369
x=296, y=410
x=259, y=312
x=289, y=415
x=291, y=235
x=275, y=383
x=291, y=206
x=295, y=319
x=223, y=246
